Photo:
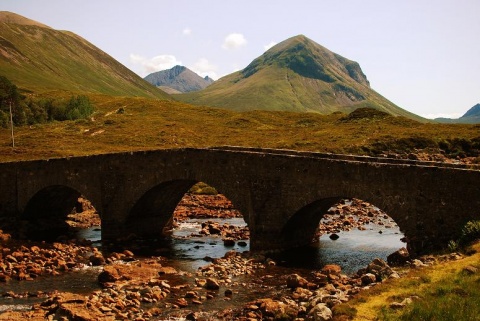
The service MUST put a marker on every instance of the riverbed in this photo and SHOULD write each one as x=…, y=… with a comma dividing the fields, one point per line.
x=353, y=250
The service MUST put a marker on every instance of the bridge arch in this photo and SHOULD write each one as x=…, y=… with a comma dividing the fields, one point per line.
x=47, y=209
x=153, y=211
x=300, y=227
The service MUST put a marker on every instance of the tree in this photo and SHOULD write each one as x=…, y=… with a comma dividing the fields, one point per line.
x=9, y=95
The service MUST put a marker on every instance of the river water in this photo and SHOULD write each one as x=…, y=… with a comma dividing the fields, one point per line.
x=352, y=251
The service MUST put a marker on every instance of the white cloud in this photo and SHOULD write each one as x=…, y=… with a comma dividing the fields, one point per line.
x=440, y=115
x=204, y=68
x=157, y=63
x=187, y=32
x=234, y=41
x=270, y=45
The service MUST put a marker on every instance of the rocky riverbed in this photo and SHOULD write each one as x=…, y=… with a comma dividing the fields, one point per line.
x=138, y=288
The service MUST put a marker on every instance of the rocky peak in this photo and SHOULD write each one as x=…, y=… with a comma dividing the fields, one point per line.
x=179, y=78
x=474, y=111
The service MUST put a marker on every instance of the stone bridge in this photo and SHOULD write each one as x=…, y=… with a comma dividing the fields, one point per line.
x=282, y=194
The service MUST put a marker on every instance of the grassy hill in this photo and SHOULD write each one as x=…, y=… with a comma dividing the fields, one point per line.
x=296, y=75
x=129, y=124
x=38, y=58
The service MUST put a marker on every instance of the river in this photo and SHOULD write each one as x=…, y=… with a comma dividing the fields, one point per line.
x=352, y=250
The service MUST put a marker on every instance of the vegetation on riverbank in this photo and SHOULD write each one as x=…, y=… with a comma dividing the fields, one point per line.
x=444, y=291
x=130, y=124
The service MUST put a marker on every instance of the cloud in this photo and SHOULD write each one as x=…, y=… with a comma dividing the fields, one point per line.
x=187, y=32
x=440, y=115
x=270, y=45
x=204, y=68
x=157, y=63
x=234, y=41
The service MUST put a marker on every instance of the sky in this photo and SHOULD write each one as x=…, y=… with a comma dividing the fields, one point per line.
x=422, y=55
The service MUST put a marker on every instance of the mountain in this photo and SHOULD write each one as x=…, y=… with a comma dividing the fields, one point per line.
x=296, y=75
x=180, y=79
x=472, y=116
x=38, y=58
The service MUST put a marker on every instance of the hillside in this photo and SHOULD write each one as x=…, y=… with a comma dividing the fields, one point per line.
x=133, y=123
x=296, y=75
x=178, y=79
x=472, y=116
x=38, y=58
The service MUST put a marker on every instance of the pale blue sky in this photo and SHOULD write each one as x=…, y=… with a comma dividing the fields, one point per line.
x=423, y=55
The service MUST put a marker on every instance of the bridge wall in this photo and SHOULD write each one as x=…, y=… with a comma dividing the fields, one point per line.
x=281, y=195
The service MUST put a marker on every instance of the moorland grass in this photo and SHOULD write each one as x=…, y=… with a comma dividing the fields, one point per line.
x=129, y=124
x=442, y=292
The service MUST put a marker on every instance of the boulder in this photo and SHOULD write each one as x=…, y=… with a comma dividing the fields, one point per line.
x=399, y=257
x=295, y=281
x=368, y=278
x=212, y=284
x=97, y=259
x=109, y=274
x=332, y=269
x=320, y=312
x=229, y=242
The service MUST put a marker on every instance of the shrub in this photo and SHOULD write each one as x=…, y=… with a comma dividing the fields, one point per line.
x=203, y=189
x=470, y=232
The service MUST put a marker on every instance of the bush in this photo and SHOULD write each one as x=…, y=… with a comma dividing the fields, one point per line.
x=203, y=189
x=470, y=233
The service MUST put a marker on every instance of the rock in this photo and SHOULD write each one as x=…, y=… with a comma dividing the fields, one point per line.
x=181, y=302
x=229, y=242
x=166, y=270
x=212, y=284
x=277, y=310
x=417, y=264
x=228, y=292
x=230, y=254
x=242, y=243
x=97, y=259
x=192, y=316
x=399, y=257
x=4, y=277
x=368, y=278
x=321, y=279
x=470, y=269
x=334, y=236
x=321, y=312
x=295, y=280
x=396, y=306
x=191, y=295
x=332, y=269
x=109, y=274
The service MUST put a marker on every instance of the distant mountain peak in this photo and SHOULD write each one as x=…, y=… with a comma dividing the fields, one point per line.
x=472, y=116
x=298, y=75
x=308, y=59
x=179, y=79
x=10, y=17
x=474, y=111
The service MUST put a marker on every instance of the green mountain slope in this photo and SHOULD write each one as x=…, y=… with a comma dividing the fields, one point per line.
x=38, y=58
x=296, y=75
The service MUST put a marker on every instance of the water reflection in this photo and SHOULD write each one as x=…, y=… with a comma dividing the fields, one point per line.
x=354, y=249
